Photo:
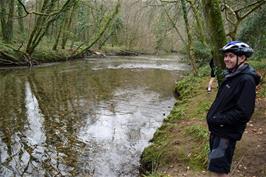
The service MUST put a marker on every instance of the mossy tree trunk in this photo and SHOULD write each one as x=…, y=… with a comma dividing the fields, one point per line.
x=67, y=24
x=199, y=21
x=20, y=19
x=7, y=19
x=44, y=20
x=189, y=46
x=216, y=33
x=57, y=38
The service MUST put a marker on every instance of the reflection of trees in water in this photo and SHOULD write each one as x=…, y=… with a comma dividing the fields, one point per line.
x=12, y=108
x=64, y=101
x=23, y=145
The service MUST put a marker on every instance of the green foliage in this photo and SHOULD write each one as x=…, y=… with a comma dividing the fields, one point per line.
x=258, y=64
x=262, y=92
x=198, y=132
x=178, y=112
x=9, y=50
x=198, y=157
x=156, y=174
x=186, y=86
x=203, y=108
x=47, y=55
x=204, y=70
x=253, y=32
x=202, y=53
x=153, y=155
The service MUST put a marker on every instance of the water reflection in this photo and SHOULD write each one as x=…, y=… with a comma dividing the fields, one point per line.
x=26, y=155
x=34, y=127
x=72, y=120
x=121, y=131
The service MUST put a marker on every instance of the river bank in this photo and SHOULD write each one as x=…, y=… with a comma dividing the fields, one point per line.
x=180, y=146
x=12, y=55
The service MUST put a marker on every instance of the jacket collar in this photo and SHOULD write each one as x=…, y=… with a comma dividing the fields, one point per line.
x=228, y=74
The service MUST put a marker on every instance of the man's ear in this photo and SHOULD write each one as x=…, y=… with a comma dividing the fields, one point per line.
x=242, y=58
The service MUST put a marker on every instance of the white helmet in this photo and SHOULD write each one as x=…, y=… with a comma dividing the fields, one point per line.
x=238, y=48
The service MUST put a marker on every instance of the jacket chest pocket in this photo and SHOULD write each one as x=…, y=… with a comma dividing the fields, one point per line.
x=228, y=93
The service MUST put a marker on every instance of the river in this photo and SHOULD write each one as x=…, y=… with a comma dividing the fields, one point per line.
x=92, y=117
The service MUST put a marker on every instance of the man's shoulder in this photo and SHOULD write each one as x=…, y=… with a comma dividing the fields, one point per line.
x=246, y=77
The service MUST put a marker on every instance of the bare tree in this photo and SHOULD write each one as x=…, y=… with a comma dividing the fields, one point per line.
x=235, y=16
x=105, y=24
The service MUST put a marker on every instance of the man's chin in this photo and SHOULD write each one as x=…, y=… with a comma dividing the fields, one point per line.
x=228, y=67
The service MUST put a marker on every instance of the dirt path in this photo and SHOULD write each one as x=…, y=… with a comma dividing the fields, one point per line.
x=251, y=150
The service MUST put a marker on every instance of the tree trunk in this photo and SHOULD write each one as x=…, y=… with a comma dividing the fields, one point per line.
x=189, y=42
x=44, y=22
x=216, y=32
x=66, y=27
x=107, y=21
x=199, y=22
x=7, y=24
x=57, y=38
x=20, y=20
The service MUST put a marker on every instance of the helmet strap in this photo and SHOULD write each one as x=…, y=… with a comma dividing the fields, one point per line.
x=236, y=65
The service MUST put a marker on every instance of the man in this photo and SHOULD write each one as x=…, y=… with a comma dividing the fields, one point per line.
x=232, y=108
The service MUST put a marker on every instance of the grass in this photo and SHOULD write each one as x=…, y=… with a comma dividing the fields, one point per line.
x=198, y=157
x=182, y=141
x=157, y=175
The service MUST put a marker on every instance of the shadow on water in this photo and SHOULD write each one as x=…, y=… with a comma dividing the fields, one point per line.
x=91, y=117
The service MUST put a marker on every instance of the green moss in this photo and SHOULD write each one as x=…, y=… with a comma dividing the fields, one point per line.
x=155, y=174
x=198, y=156
x=202, y=108
x=178, y=111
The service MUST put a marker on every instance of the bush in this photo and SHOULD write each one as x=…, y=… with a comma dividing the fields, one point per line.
x=202, y=53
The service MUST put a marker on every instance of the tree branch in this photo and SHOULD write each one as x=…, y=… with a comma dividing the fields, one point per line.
x=232, y=11
x=39, y=13
x=250, y=5
x=173, y=24
x=251, y=10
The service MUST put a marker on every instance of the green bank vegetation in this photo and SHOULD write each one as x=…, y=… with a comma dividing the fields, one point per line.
x=181, y=143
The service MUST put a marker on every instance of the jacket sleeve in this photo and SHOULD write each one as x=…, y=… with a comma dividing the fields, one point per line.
x=242, y=111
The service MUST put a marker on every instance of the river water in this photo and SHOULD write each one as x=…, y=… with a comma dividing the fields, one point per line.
x=85, y=118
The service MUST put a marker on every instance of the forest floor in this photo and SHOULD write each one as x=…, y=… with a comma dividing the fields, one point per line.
x=179, y=150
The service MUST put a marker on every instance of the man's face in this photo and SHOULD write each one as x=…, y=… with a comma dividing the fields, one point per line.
x=230, y=60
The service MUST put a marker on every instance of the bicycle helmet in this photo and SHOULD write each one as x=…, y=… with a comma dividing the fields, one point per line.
x=238, y=48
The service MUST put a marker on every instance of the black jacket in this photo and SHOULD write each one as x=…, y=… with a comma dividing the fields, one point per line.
x=234, y=103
